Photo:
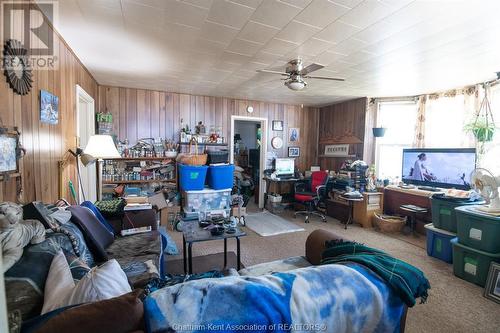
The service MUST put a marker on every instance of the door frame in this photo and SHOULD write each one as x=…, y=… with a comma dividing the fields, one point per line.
x=81, y=94
x=263, y=150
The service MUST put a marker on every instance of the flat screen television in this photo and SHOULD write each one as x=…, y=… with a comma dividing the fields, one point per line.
x=284, y=166
x=436, y=167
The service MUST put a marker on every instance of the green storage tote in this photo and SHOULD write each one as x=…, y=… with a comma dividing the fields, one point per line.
x=477, y=230
x=443, y=212
x=470, y=264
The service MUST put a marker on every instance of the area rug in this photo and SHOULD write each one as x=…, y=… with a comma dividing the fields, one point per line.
x=268, y=224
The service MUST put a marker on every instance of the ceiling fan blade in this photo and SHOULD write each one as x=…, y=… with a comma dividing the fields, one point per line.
x=324, y=78
x=311, y=68
x=271, y=72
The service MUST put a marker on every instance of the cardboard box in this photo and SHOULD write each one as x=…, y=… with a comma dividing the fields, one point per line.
x=158, y=200
x=167, y=214
x=243, y=211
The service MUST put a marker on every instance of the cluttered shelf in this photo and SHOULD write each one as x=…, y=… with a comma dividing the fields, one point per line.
x=205, y=144
x=140, y=181
x=139, y=159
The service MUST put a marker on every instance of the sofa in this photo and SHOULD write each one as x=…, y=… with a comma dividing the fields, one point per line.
x=86, y=243
x=90, y=314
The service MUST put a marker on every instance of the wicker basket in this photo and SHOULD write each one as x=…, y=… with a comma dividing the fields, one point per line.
x=194, y=158
x=388, y=223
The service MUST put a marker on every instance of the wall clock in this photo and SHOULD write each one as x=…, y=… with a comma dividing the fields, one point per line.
x=277, y=142
x=16, y=66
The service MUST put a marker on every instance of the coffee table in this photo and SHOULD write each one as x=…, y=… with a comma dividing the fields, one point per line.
x=193, y=233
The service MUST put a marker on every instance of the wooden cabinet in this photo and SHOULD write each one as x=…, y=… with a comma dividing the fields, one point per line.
x=395, y=196
x=373, y=202
x=337, y=207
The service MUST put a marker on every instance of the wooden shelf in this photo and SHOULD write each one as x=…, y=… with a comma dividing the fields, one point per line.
x=139, y=159
x=205, y=144
x=139, y=181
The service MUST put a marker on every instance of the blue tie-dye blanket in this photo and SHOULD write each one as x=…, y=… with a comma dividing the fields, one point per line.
x=330, y=298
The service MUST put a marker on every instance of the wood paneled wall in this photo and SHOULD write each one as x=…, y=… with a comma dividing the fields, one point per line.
x=45, y=144
x=346, y=123
x=145, y=113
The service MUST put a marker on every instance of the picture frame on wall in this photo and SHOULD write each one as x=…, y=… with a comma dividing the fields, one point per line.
x=492, y=287
x=293, y=151
x=277, y=125
x=9, y=142
x=49, y=108
x=294, y=135
x=337, y=150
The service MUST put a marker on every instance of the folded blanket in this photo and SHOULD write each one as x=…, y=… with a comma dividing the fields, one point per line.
x=407, y=281
x=329, y=298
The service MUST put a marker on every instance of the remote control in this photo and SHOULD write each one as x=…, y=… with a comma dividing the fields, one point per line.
x=133, y=231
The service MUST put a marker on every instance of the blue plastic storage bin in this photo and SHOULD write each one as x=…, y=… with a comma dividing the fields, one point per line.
x=220, y=177
x=438, y=243
x=192, y=177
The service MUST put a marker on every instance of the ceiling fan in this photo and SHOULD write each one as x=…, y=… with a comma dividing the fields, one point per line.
x=296, y=73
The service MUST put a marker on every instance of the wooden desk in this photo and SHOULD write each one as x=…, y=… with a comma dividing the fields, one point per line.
x=395, y=196
x=363, y=211
x=278, y=183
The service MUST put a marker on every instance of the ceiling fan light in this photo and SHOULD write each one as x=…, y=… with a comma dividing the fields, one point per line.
x=295, y=84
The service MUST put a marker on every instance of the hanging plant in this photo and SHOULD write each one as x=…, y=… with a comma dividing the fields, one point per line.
x=483, y=127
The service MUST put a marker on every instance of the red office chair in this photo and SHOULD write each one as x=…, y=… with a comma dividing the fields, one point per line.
x=309, y=193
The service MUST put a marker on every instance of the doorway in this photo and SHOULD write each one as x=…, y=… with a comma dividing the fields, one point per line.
x=248, y=148
x=85, y=128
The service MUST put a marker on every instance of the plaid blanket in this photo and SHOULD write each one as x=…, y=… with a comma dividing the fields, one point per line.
x=407, y=281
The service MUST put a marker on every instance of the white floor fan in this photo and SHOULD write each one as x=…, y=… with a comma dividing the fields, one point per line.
x=487, y=185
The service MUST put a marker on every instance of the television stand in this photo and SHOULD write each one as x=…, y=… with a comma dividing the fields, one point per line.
x=429, y=188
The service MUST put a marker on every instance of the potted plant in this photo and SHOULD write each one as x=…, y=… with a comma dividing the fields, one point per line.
x=482, y=129
x=379, y=132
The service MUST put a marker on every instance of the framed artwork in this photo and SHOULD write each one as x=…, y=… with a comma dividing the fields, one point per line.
x=294, y=135
x=277, y=125
x=49, y=108
x=293, y=151
x=8, y=152
x=337, y=150
x=492, y=287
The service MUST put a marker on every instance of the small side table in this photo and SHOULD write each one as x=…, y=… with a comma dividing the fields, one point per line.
x=413, y=211
x=351, y=202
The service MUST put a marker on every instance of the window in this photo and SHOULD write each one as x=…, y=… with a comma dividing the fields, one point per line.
x=490, y=160
x=400, y=119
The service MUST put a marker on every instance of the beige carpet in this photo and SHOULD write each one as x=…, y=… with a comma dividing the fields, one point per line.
x=454, y=305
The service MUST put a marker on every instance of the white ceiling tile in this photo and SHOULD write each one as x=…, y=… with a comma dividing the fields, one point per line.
x=257, y=32
x=348, y=46
x=265, y=57
x=184, y=13
x=348, y=3
x=298, y=3
x=312, y=47
x=229, y=13
x=320, y=13
x=274, y=13
x=235, y=58
x=244, y=47
x=249, y=3
x=367, y=13
x=296, y=32
x=337, y=32
x=217, y=32
x=199, y=3
x=279, y=47
x=144, y=15
x=112, y=4
x=327, y=58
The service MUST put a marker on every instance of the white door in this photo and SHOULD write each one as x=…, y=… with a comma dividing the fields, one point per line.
x=85, y=129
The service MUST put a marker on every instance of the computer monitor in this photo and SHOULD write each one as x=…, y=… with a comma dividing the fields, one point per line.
x=284, y=167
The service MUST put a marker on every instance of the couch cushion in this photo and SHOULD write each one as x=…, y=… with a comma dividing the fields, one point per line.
x=97, y=236
x=72, y=241
x=103, y=316
x=283, y=265
x=59, y=283
x=135, y=252
x=98, y=214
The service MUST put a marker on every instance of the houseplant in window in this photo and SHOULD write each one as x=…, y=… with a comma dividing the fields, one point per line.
x=483, y=126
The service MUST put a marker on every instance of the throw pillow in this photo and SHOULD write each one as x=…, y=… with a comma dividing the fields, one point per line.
x=103, y=282
x=98, y=214
x=120, y=314
x=97, y=236
x=59, y=284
